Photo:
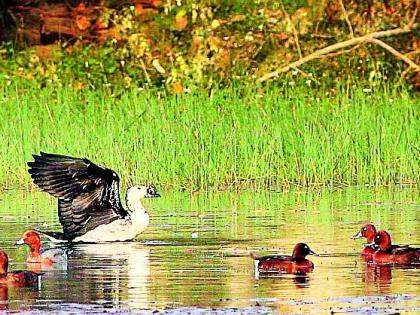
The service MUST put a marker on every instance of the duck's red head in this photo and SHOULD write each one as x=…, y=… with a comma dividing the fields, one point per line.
x=302, y=250
x=32, y=239
x=4, y=262
x=368, y=231
x=383, y=240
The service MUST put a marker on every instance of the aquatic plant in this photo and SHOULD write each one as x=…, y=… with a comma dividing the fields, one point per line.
x=230, y=138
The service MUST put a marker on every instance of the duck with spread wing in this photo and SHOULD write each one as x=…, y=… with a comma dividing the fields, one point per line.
x=89, y=204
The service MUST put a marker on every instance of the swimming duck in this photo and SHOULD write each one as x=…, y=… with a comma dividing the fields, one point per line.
x=89, y=205
x=45, y=258
x=16, y=278
x=295, y=264
x=395, y=254
x=368, y=231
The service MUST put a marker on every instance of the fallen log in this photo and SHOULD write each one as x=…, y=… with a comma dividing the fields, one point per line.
x=42, y=22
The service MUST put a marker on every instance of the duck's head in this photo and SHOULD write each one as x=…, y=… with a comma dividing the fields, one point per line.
x=368, y=231
x=383, y=240
x=136, y=193
x=302, y=250
x=32, y=239
x=4, y=262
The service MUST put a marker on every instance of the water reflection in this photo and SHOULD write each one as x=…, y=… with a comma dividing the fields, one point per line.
x=4, y=298
x=299, y=280
x=17, y=298
x=116, y=273
x=122, y=268
x=174, y=270
x=377, y=279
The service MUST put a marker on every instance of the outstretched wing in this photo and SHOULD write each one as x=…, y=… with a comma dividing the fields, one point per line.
x=88, y=194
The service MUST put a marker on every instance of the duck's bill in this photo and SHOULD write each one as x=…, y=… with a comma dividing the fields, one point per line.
x=156, y=195
x=370, y=244
x=311, y=252
x=358, y=235
x=20, y=242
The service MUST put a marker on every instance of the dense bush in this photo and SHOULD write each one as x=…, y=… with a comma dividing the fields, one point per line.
x=181, y=43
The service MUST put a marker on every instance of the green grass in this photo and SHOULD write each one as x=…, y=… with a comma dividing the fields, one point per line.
x=231, y=138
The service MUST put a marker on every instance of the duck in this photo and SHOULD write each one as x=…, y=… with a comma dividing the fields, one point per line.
x=368, y=231
x=295, y=264
x=45, y=258
x=89, y=203
x=393, y=254
x=16, y=278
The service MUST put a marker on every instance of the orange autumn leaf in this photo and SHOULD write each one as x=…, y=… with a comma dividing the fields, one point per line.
x=180, y=23
x=81, y=8
x=99, y=24
x=78, y=85
x=282, y=36
x=139, y=8
x=82, y=22
x=177, y=87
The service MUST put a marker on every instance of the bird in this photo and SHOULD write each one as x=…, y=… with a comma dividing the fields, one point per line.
x=295, y=264
x=89, y=203
x=16, y=278
x=40, y=258
x=393, y=254
x=368, y=231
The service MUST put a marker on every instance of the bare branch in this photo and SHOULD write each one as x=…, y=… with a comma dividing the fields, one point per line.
x=396, y=53
x=295, y=33
x=346, y=17
x=321, y=53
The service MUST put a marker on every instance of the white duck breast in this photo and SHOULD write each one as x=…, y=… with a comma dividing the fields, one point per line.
x=89, y=205
x=118, y=230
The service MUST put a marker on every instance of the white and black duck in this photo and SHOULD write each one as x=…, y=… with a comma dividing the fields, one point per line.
x=89, y=204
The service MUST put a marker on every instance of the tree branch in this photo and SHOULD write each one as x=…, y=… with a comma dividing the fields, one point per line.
x=346, y=17
x=396, y=53
x=329, y=49
x=295, y=33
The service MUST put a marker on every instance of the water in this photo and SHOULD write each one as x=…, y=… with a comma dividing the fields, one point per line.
x=194, y=257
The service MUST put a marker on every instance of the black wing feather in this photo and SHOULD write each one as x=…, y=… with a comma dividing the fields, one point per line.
x=88, y=194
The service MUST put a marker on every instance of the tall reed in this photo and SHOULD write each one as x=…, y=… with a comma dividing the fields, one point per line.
x=228, y=138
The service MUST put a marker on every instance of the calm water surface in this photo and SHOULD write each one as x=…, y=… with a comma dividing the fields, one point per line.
x=195, y=255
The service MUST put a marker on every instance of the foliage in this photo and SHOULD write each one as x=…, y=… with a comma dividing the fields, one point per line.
x=214, y=42
x=225, y=138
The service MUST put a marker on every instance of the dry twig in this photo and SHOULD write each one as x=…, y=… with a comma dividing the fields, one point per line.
x=346, y=17
x=323, y=52
x=396, y=53
x=295, y=33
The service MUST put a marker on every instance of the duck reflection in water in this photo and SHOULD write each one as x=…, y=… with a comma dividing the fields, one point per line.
x=18, y=299
x=4, y=297
x=377, y=278
x=115, y=273
x=300, y=281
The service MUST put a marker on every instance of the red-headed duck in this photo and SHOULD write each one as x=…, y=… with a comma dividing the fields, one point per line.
x=16, y=278
x=393, y=254
x=295, y=264
x=45, y=258
x=368, y=232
